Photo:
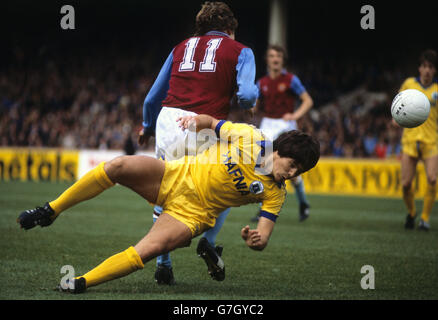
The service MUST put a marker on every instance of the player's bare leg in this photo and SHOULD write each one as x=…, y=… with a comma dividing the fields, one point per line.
x=431, y=167
x=142, y=174
x=166, y=234
x=408, y=170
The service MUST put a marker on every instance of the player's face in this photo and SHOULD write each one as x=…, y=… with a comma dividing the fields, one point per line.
x=427, y=71
x=283, y=168
x=274, y=59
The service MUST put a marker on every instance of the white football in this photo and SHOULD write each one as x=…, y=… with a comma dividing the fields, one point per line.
x=410, y=108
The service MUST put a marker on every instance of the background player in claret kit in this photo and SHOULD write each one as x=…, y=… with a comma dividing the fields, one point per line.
x=277, y=101
x=421, y=143
x=200, y=75
x=191, y=203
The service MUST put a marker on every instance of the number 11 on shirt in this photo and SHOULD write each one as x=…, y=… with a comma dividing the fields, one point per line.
x=208, y=64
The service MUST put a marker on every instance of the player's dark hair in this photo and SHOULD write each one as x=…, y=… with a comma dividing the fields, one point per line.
x=429, y=56
x=300, y=146
x=278, y=48
x=215, y=16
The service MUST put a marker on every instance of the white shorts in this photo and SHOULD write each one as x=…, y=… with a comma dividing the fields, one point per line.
x=171, y=142
x=272, y=128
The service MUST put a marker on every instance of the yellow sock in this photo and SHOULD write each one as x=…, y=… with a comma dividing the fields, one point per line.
x=119, y=265
x=429, y=199
x=409, y=199
x=90, y=185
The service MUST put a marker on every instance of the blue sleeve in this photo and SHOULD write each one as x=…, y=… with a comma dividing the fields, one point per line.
x=247, y=91
x=259, y=93
x=268, y=215
x=296, y=86
x=218, y=128
x=156, y=95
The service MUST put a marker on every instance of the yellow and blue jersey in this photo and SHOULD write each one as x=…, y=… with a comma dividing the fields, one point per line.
x=229, y=174
x=427, y=132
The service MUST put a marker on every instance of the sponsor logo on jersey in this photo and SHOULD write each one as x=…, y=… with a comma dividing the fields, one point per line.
x=282, y=87
x=256, y=187
x=236, y=174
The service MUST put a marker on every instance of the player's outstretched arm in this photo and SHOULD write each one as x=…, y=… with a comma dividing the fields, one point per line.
x=200, y=122
x=257, y=239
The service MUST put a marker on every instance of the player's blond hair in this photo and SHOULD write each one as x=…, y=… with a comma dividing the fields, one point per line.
x=215, y=16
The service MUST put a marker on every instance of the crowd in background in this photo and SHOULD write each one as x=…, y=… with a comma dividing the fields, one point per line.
x=93, y=100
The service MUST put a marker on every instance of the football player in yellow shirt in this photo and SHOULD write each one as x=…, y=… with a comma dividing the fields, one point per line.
x=242, y=167
x=421, y=143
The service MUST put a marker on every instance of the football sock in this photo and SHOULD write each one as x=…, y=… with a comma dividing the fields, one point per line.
x=409, y=199
x=299, y=190
x=164, y=259
x=119, y=265
x=87, y=187
x=211, y=234
x=429, y=199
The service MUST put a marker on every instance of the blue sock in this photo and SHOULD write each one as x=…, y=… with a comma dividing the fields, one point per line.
x=299, y=190
x=211, y=234
x=164, y=259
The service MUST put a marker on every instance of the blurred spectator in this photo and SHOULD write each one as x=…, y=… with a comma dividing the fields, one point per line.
x=381, y=147
x=370, y=142
x=338, y=147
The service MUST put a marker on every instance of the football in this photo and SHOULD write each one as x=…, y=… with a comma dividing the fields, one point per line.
x=410, y=108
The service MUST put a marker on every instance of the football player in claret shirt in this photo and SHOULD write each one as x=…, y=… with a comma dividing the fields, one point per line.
x=421, y=143
x=200, y=75
x=278, y=92
x=242, y=166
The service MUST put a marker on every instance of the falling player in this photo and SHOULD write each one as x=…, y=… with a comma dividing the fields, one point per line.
x=277, y=95
x=200, y=75
x=421, y=143
x=242, y=168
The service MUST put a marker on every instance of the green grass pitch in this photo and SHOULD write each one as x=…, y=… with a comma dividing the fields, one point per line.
x=320, y=258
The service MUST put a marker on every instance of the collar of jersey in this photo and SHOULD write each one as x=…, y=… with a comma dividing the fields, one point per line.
x=217, y=33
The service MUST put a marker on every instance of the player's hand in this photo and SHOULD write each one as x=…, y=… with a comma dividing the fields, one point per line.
x=244, y=232
x=289, y=117
x=252, y=237
x=143, y=138
x=186, y=122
